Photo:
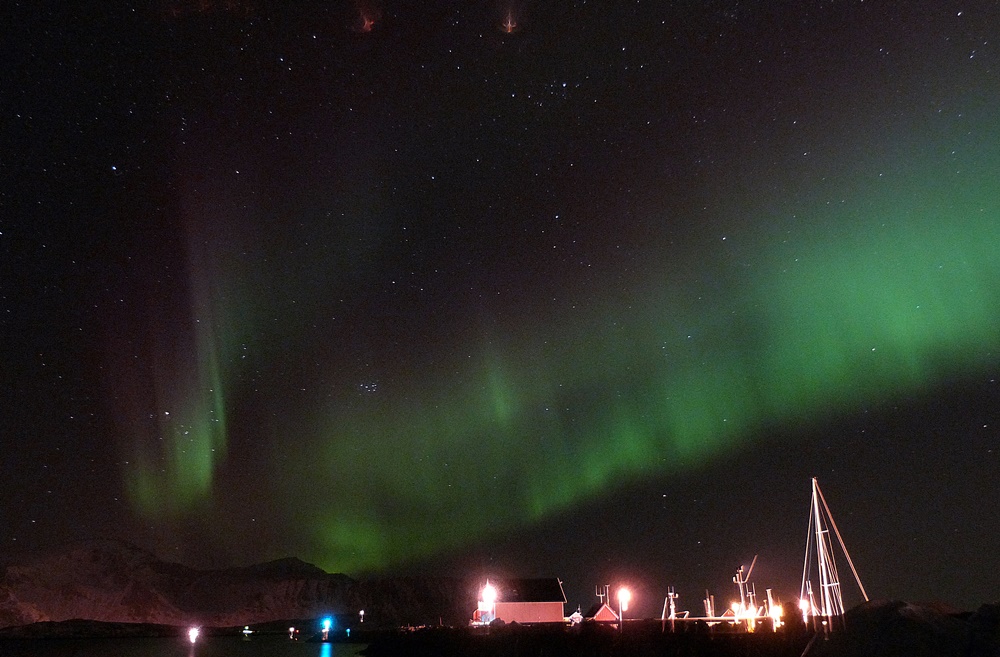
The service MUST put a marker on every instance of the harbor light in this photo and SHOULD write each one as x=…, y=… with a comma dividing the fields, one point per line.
x=776, y=613
x=624, y=596
x=327, y=624
x=487, y=603
x=193, y=634
x=489, y=593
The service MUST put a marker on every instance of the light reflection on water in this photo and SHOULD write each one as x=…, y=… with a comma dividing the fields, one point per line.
x=176, y=647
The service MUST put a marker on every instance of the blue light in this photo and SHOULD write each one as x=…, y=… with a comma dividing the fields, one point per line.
x=327, y=624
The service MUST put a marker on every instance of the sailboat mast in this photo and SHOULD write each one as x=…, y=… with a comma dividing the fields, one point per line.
x=821, y=556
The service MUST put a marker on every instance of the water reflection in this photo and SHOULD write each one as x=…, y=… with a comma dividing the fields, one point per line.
x=207, y=646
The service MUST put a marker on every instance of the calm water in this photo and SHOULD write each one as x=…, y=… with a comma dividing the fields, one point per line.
x=275, y=646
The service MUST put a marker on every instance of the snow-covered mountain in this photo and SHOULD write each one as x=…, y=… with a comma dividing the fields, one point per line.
x=117, y=582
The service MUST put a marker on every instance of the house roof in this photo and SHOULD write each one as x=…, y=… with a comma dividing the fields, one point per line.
x=530, y=590
x=596, y=609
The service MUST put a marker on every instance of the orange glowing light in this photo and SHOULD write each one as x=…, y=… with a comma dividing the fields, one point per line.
x=489, y=593
x=624, y=596
x=368, y=14
x=509, y=25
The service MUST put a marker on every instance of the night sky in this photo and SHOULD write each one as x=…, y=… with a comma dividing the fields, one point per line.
x=532, y=288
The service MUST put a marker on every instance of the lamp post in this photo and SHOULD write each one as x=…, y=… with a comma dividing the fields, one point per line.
x=624, y=595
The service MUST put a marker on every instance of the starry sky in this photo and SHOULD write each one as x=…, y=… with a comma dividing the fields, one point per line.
x=528, y=288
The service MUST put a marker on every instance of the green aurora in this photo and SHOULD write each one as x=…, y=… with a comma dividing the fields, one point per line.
x=882, y=297
x=790, y=320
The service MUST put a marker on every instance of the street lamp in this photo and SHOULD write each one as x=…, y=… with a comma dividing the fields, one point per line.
x=624, y=595
x=489, y=601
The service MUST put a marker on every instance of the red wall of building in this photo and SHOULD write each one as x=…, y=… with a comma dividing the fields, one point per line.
x=530, y=612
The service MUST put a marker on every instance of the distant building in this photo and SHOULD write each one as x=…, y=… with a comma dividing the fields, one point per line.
x=601, y=613
x=525, y=601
